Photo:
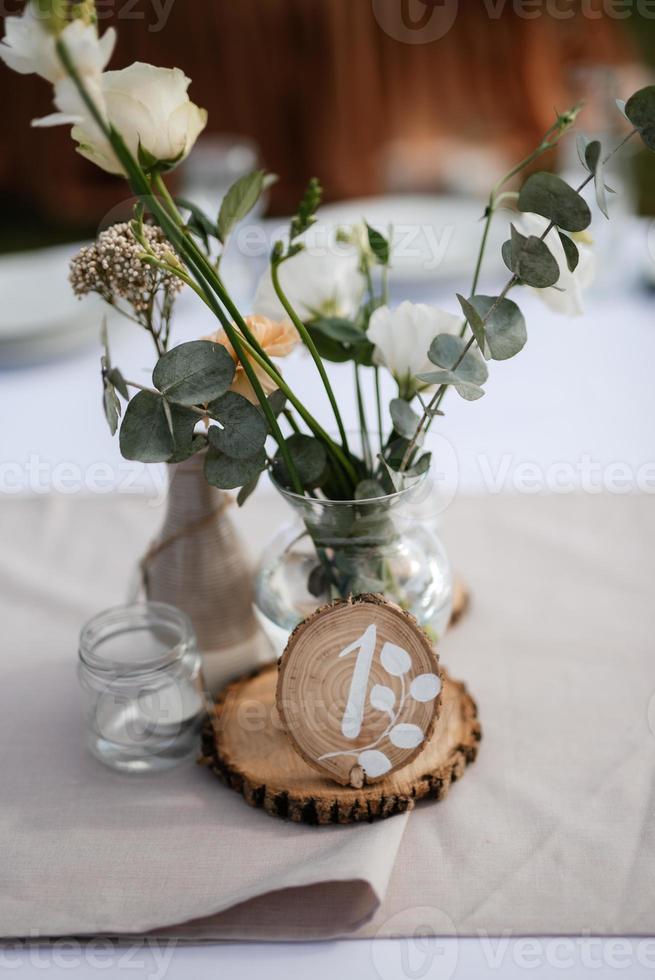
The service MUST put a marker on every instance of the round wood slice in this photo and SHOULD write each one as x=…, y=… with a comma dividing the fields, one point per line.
x=461, y=601
x=244, y=744
x=358, y=689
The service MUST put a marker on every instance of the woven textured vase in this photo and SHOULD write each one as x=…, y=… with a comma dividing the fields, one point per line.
x=198, y=563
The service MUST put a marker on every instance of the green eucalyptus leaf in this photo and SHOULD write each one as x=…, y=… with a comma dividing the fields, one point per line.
x=247, y=489
x=118, y=381
x=581, y=143
x=550, y=196
x=318, y=581
x=640, y=110
x=197, y=444
x=228, y=473
x=239, y=202
x=594, y=161
x=111, y=405
x=363, y=354
x=369, y=489
x=244, y=428
x=404, y=418
x=421, y=466
x=378, y=245
x=475, y=322
x=505, y=328
x=531, y=260
x=395, y=478
x=277, y=401
x=437, y=377
x=570, y=251
x=309, y=458
x=592, y=155
x=194, y=373
x=339, y=329
x=446, y=350
x=329, y=349
x=395, y=451
x=145, y=435
x=469, y=391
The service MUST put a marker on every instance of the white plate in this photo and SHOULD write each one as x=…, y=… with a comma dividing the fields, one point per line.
x=436, y=238
x=40, y=317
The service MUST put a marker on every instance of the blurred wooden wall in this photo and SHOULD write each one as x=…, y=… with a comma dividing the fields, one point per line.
x=321, y=88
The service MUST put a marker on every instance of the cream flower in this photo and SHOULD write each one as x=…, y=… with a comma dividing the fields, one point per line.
x=277, y=339
x=150, y=108
x=316, y=284
x=402, y=338
x=28, y=47
x=566, y=295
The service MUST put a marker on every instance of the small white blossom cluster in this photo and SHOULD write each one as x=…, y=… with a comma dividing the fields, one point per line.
x=113, y=266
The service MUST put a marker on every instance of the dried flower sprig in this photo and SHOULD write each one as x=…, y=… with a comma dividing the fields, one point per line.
x=118, y=268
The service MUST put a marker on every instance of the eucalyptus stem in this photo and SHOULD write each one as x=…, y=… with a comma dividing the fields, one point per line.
x=428, y=414
x=311, y=346
x=557, y=130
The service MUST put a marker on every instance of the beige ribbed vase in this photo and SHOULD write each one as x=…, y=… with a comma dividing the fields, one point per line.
x=198, y=563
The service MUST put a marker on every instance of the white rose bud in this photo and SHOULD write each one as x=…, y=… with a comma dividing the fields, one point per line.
x=151, y=110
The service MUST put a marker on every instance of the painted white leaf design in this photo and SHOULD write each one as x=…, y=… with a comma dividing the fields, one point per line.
x=374, y=763
x=382, y=697
x=395, y=660
x=405, y=736
x=425, y=687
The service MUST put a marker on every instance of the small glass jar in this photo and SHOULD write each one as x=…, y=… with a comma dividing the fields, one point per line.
x=139, y=670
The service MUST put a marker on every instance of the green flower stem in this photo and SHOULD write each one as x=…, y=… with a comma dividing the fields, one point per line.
x=292, y=422
x=210, y=271
x=332, y=447
x=254, y=348
x=366, y=445
x=311, y=346
x=378, y=405
x=276, y=376
x=141, y=187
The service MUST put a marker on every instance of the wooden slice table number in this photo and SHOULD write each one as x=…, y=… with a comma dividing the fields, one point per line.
x=359, y=689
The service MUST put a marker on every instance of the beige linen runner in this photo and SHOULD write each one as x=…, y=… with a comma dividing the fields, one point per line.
x=551, y=831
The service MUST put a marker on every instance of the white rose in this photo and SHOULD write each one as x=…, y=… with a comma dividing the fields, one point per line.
x=316, y=284
x=150, y=107
x=402, y=338
x=565, y=296
x=28, y=47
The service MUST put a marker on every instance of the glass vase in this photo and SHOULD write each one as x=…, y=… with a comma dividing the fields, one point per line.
x=337, y=548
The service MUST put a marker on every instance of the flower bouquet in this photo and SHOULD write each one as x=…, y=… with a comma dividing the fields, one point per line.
x=226, y=396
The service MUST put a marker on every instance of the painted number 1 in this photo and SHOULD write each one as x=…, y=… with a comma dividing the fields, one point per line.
x=351, y=723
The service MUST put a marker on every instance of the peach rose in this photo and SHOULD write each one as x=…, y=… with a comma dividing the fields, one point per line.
x=277, y=339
